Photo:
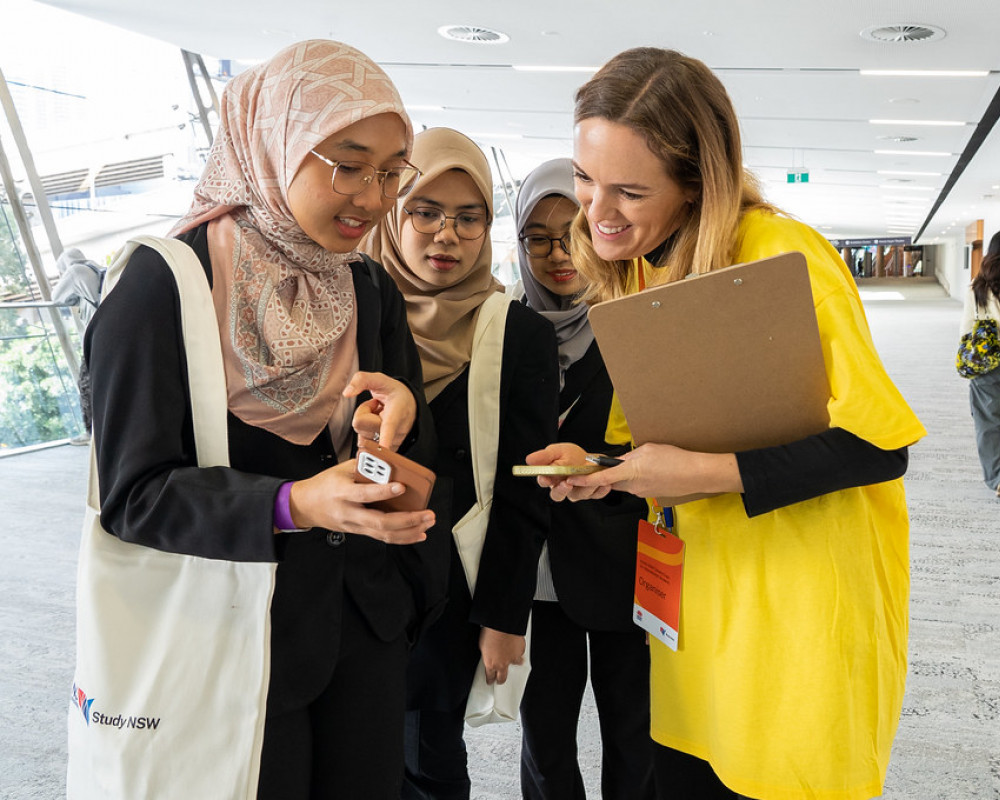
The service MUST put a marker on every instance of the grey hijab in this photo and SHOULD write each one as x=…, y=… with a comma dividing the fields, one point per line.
x=573, y=331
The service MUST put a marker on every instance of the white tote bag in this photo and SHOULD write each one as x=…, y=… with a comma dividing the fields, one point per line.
x=487, y=702
x=173, y=653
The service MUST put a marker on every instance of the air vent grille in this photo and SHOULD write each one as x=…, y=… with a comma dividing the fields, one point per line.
x=65, y=182
x=898, y=34
x=142, y=169
x=473, y=34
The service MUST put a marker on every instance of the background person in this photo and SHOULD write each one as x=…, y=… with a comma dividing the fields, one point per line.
x=584, y=597
x=436, y=246
x=982, y=299
x=306, y=327
x=80, y=283
x=789, y=677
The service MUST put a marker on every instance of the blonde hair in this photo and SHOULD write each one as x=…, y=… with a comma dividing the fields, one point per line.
x=684, y=113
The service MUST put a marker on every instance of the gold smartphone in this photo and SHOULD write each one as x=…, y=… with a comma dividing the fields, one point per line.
x=597, y=462
x=528, y=471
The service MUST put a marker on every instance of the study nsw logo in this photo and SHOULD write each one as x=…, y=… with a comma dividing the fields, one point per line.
x=118, y=721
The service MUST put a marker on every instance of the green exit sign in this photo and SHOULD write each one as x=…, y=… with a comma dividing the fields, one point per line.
x=798, y=177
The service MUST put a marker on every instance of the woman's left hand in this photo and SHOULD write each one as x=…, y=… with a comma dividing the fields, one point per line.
x=564, y=454
x=390, y=413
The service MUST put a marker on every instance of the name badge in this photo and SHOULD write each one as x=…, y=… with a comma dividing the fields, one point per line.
x=659, y=565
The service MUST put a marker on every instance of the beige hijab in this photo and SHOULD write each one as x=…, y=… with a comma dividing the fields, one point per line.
x=285, y=305
x=442, y=320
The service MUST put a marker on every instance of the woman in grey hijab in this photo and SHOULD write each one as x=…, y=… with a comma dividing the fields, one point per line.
x=584, y=593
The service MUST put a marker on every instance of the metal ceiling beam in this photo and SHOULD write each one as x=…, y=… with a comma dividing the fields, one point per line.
x=979, y=135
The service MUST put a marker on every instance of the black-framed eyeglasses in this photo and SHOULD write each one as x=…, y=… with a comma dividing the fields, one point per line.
x=540, y=246
x=353, y=177
x=468, y=224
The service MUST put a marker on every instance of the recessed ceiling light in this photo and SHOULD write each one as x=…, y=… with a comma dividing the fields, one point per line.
x=909, y=153
x=472, y=34
x=902, y=33
x=946, y=123
x=898, y=138
x=925, y=73
x=486, y=135
x=551, y=68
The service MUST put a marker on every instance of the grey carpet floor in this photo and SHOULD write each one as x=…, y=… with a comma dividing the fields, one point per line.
x=948, y=744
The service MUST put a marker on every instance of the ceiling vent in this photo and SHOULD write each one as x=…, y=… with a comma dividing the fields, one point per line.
x=897, y=34
x=473, y=34
x=898, y=138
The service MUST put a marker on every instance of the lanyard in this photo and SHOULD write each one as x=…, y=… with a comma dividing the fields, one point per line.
x=664, y=520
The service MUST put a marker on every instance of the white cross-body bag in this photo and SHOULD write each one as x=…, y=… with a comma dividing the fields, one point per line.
x=173, y=651
x=487, y=702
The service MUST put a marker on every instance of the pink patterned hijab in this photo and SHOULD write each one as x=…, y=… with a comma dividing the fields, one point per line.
x=285, y=305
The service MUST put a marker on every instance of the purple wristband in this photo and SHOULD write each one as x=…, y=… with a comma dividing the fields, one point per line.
x=282, y=512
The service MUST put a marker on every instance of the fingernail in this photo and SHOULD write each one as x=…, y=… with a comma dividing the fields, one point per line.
x=428, y=519
x=397, y=488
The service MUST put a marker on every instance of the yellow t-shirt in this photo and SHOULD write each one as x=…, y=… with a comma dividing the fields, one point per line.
x=790, y=673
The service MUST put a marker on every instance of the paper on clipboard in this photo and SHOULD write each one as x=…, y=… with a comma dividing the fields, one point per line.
x=722, y=362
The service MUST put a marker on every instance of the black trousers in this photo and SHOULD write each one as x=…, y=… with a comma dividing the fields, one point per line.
x=550, y=710
x=683, y=777
x=436, y=758
x=347, y=744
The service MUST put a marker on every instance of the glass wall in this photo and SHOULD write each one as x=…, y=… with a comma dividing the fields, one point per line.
x=117, y=145
x=38, y=396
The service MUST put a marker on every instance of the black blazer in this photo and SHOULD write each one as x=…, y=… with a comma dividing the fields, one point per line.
x=153, y=493
x=443, y=662
x=592, y=544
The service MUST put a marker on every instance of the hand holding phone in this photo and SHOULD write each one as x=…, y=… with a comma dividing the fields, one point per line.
x=381, y=465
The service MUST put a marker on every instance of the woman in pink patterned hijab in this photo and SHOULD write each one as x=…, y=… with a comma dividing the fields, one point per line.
x=285, y=300
x=310, y=154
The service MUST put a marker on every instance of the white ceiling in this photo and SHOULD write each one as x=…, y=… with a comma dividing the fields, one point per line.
x=791, y=67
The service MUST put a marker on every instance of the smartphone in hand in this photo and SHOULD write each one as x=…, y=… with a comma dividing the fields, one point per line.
x=381, y=465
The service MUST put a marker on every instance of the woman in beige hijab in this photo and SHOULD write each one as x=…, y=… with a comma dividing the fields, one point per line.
x=311, y=152
x=436, y=247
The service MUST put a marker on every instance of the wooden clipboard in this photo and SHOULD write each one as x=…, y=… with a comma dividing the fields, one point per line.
x=719, y=363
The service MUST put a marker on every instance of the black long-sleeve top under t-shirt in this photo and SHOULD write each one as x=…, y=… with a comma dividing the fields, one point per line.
x=835, y=459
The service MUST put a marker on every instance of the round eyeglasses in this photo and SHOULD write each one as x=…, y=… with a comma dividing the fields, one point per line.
x=468, y=224
x=539, y=246
x=353, y=177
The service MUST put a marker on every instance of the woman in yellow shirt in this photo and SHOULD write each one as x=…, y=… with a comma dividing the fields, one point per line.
x=789, y=677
